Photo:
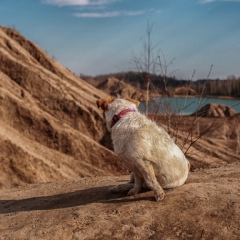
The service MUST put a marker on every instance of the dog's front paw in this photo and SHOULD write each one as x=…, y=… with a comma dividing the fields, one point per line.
x=132, y=192
x=159, y=196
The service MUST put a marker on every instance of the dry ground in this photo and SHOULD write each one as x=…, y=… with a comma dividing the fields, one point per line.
x=206, y=207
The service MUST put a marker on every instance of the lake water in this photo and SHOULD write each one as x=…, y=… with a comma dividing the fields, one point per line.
x=182, y=105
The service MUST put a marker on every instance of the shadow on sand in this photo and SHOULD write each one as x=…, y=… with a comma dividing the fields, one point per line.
x=65, y=200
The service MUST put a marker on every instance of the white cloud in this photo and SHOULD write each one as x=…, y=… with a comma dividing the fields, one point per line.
x=108, y=14
x=133, y=13
x=95, y=7
x=97, y=15
x=209, y=1
x=78, y=2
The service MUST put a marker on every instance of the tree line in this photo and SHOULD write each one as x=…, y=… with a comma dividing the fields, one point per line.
x=213, y=87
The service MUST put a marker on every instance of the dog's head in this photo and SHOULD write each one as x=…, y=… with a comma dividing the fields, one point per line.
x=113, y=106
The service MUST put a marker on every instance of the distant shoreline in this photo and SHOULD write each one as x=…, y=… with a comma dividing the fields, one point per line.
x=198, y=96
x=190, y=104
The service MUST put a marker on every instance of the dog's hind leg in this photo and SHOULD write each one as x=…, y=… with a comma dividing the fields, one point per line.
x=148, y=174
x=137, y=185
x=131, y=180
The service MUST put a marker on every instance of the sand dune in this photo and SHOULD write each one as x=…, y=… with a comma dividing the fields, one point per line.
x=50, y=127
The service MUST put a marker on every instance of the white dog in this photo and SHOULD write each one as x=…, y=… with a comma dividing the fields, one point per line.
x=146, y=149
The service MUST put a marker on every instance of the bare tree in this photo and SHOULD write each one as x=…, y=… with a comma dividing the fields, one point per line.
x=146, y=63
x=151, y=61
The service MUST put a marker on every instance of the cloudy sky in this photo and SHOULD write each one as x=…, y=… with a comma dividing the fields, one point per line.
x=102, y=36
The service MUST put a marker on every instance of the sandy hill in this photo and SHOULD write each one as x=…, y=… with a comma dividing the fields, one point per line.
x=185, y=91
x=50, y=127
x=114, y=86
x=215, y=110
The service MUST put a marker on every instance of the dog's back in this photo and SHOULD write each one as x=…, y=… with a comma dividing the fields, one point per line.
x=136, y=137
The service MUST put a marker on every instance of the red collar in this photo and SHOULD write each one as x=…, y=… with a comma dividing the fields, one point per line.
x=121, y=114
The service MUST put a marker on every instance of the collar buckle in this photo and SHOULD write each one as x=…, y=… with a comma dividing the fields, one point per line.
x=116, y=118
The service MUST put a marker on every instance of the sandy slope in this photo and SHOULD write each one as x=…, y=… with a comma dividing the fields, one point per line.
x=50, y=127
x=206, y=207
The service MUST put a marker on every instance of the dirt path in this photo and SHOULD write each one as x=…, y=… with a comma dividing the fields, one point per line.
x=206, y=207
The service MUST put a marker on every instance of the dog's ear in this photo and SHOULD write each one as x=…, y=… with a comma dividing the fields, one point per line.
x=103, y=103
x=133, y=100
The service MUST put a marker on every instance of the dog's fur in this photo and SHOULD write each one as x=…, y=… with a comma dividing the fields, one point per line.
x=146, y=149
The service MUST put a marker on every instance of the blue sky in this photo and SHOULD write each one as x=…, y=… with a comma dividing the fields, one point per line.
x=101, y=36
